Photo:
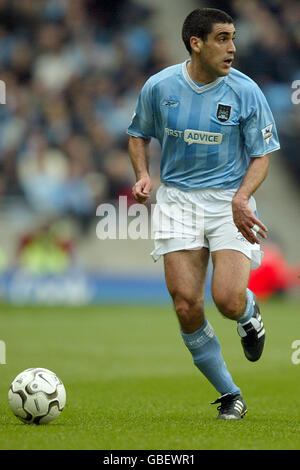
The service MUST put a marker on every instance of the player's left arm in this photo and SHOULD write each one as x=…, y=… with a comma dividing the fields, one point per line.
x=243, y=216
x=260, y=139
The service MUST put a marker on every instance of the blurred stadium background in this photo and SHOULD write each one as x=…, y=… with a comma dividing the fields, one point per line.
x=73, y=70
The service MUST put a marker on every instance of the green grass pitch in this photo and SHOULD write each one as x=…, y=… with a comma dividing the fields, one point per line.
x=131, y=383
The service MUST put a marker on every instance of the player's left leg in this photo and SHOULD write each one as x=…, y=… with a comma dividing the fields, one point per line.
x=185, y=272
x=231, y=270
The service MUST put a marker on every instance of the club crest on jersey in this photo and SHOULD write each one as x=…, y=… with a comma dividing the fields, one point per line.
x=223, y=112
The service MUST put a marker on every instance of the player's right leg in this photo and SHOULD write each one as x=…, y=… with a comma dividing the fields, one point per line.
x=185, y=272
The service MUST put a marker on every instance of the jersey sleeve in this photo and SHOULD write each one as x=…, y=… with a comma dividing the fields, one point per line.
x=142, y=123
x=258, y=125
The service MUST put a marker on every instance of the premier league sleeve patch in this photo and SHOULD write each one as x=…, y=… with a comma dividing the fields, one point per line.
x=223, y=112
x=267, y=133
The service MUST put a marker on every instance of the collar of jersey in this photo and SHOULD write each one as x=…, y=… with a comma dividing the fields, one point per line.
x=193, y=85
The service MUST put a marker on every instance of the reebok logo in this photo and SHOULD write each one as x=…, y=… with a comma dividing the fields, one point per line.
x=170, y=102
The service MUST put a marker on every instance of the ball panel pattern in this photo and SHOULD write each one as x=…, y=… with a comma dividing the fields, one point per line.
x=37, y=396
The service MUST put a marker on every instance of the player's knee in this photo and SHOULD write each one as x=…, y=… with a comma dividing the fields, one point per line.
x=189, y=310
x=230, y=305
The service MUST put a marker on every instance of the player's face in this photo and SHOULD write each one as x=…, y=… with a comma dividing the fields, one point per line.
x=216, y=54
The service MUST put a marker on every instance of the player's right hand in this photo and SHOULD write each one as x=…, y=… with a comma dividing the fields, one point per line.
x=142, y=188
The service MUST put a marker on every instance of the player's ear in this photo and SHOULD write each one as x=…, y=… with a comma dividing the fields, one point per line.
x=196, y=44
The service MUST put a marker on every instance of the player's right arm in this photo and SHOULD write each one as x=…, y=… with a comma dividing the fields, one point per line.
x=139, y=156
x=141, y=129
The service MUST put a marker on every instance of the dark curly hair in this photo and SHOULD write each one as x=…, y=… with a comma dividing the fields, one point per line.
x=200, y=22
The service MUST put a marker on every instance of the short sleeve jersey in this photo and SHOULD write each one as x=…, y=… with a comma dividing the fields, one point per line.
x=207, y=133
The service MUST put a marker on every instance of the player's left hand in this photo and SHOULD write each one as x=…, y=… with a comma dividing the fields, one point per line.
x=246, y=221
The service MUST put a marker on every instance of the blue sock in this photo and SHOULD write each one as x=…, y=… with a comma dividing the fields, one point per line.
x=249, y=308
x=206, y=352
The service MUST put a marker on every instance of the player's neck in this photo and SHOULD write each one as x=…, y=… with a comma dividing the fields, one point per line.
x=199, y=74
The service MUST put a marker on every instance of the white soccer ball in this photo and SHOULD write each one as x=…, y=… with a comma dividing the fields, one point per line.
x=37, y=396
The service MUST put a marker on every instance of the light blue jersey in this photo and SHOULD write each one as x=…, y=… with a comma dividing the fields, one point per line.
x=207, y=133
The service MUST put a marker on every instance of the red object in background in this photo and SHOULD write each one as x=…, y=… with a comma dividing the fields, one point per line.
x=26, y=239
x=273, y=275
x=127, y=191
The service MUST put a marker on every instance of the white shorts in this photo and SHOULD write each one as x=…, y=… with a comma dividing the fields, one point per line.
x=191, y=220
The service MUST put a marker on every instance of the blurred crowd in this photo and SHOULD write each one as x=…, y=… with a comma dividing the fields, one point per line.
x=73, y=70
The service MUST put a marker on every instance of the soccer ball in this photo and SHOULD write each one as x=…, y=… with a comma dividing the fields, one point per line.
x=37, y=396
